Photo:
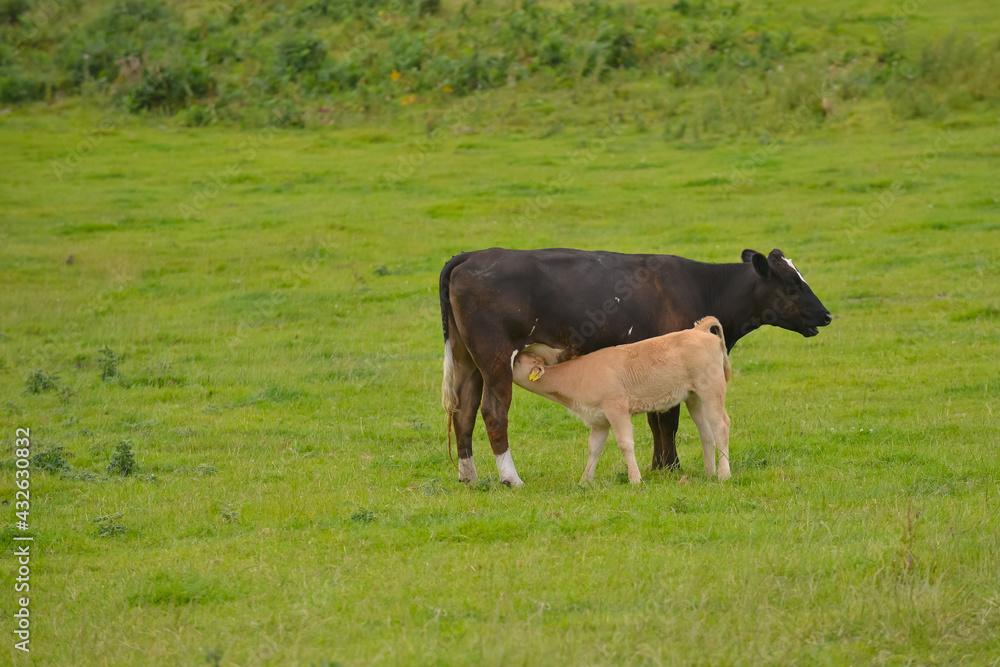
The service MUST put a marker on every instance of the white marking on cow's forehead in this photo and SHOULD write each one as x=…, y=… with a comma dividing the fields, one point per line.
x=794, y=269
x=630, y=330
x=513, y=355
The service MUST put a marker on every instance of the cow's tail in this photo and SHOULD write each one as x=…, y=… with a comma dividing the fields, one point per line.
x=449, y=396
x=713, y=326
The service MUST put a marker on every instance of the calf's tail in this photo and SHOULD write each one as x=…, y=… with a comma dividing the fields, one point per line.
x=712, y=326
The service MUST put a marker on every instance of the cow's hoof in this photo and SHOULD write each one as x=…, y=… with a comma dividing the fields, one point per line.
x=467, y=472
x=513, y=483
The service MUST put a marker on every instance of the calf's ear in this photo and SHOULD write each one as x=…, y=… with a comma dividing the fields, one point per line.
x=759, y=262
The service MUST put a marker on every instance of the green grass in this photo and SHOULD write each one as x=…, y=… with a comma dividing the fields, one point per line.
x=270, y=350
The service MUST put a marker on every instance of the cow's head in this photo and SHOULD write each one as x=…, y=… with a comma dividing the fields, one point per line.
x=782, y=296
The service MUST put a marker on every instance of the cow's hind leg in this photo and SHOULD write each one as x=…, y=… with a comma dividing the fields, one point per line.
x=497, y=394
x=598, y=436
x=462, y=395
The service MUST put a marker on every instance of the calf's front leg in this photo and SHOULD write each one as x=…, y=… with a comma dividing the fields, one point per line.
x=598, y=436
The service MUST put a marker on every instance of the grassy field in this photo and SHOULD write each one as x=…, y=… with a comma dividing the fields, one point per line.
x=248, y=322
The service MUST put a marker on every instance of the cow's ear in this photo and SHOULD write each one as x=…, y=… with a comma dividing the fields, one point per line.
x=760, y=265
x=776, y=255
x=748, y=255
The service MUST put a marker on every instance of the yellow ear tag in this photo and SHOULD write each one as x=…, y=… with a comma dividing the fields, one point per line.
x=535, y=374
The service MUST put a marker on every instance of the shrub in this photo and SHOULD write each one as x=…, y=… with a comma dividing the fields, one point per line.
x=426, y=7
x=553, y=50
x=169, y=87
x=298, y=54
x=405, y=52
x=126, y=16
x=11, y=10
x=17, y=86
x=197, y=115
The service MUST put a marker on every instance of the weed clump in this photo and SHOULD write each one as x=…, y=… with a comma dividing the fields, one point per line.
x=109, y=525
x=122, y=460
x=39, y=381
x=363, y=516
x=229, y=513
x=108, y=363
x=52, y=459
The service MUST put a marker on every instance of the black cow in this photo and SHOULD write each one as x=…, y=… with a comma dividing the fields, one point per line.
x=495, y=302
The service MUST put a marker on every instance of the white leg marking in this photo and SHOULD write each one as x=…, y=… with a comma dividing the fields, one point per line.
x=508, y=473
x=467, y=471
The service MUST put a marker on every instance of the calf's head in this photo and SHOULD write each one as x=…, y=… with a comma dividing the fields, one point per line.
x=782, y=296
x=528, y=368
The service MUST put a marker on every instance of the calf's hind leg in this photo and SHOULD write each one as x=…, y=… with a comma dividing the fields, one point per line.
x=713, y=427
x=622, y=425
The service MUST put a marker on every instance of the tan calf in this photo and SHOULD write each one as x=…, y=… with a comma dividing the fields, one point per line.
x=607, y=387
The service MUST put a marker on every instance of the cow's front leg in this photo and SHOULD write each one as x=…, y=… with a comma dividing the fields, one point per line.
x=653, y=418
x=496, y=406
x=665, y=424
